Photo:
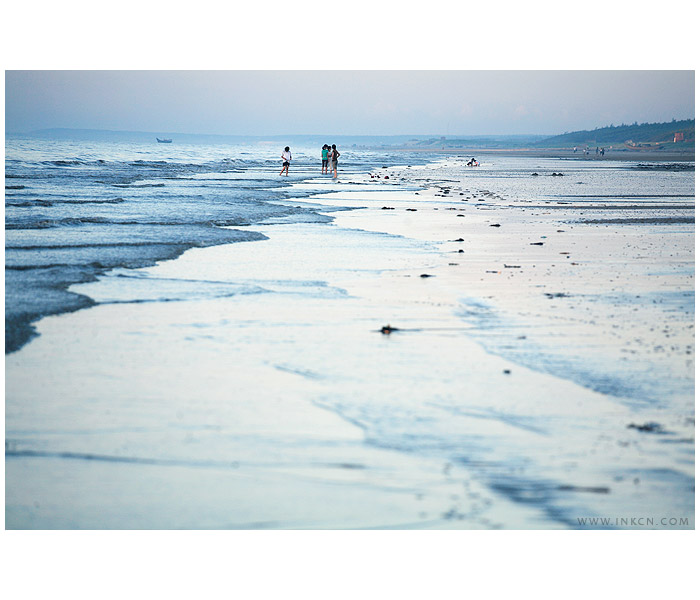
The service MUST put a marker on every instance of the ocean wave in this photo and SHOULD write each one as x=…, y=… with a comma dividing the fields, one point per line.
x=95, y=201
x=28, y=203
x=138, y=185
x=44, y=203
x=63, y=163
x=149, y=163
x=48, y=223
x=113, y=235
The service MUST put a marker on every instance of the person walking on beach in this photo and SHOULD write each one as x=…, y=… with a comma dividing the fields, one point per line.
x=286, y=158
x=334, y=161
x=324, y=159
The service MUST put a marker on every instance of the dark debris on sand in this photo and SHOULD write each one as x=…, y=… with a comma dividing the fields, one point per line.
x=387, y=329
x=649, y=427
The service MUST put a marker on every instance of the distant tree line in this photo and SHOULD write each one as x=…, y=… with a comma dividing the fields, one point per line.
x=618, y=134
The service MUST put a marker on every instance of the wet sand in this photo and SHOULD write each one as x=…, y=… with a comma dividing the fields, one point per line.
x=270, y=398
x=565, y=154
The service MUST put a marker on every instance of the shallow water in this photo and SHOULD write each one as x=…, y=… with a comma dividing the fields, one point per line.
x=76, y=209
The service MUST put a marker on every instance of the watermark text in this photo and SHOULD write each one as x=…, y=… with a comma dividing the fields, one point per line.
x=633, y=521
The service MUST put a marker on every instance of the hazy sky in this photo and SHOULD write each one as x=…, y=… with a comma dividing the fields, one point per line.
x=344, y=102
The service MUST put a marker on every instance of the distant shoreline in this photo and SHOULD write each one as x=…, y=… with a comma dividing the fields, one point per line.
x=630, y=155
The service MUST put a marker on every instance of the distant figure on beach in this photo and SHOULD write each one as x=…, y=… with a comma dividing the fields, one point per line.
x=473, y=163
x=286, y=159
x=324, y=159
x=602, y=151
x=334, y=161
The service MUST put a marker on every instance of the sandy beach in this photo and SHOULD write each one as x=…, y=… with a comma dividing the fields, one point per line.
x=540, y=374
x=616, y=154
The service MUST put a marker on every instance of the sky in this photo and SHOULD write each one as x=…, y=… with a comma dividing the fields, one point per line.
x=343, y=102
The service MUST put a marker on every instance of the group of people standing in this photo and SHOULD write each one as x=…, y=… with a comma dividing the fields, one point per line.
x=329, y=160
x=329, y=154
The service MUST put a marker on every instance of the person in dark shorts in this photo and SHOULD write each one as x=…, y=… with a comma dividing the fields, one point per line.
x=324, y=159
x=334, y=161
x=286, y=159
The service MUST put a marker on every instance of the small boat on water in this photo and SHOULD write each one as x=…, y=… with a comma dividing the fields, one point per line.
x=164, y=141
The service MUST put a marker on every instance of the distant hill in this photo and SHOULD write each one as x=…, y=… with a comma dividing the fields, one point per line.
x=646, y=133
x=645, y=136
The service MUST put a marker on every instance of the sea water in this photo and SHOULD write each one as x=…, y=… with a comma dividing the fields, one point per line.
x=74, y=209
